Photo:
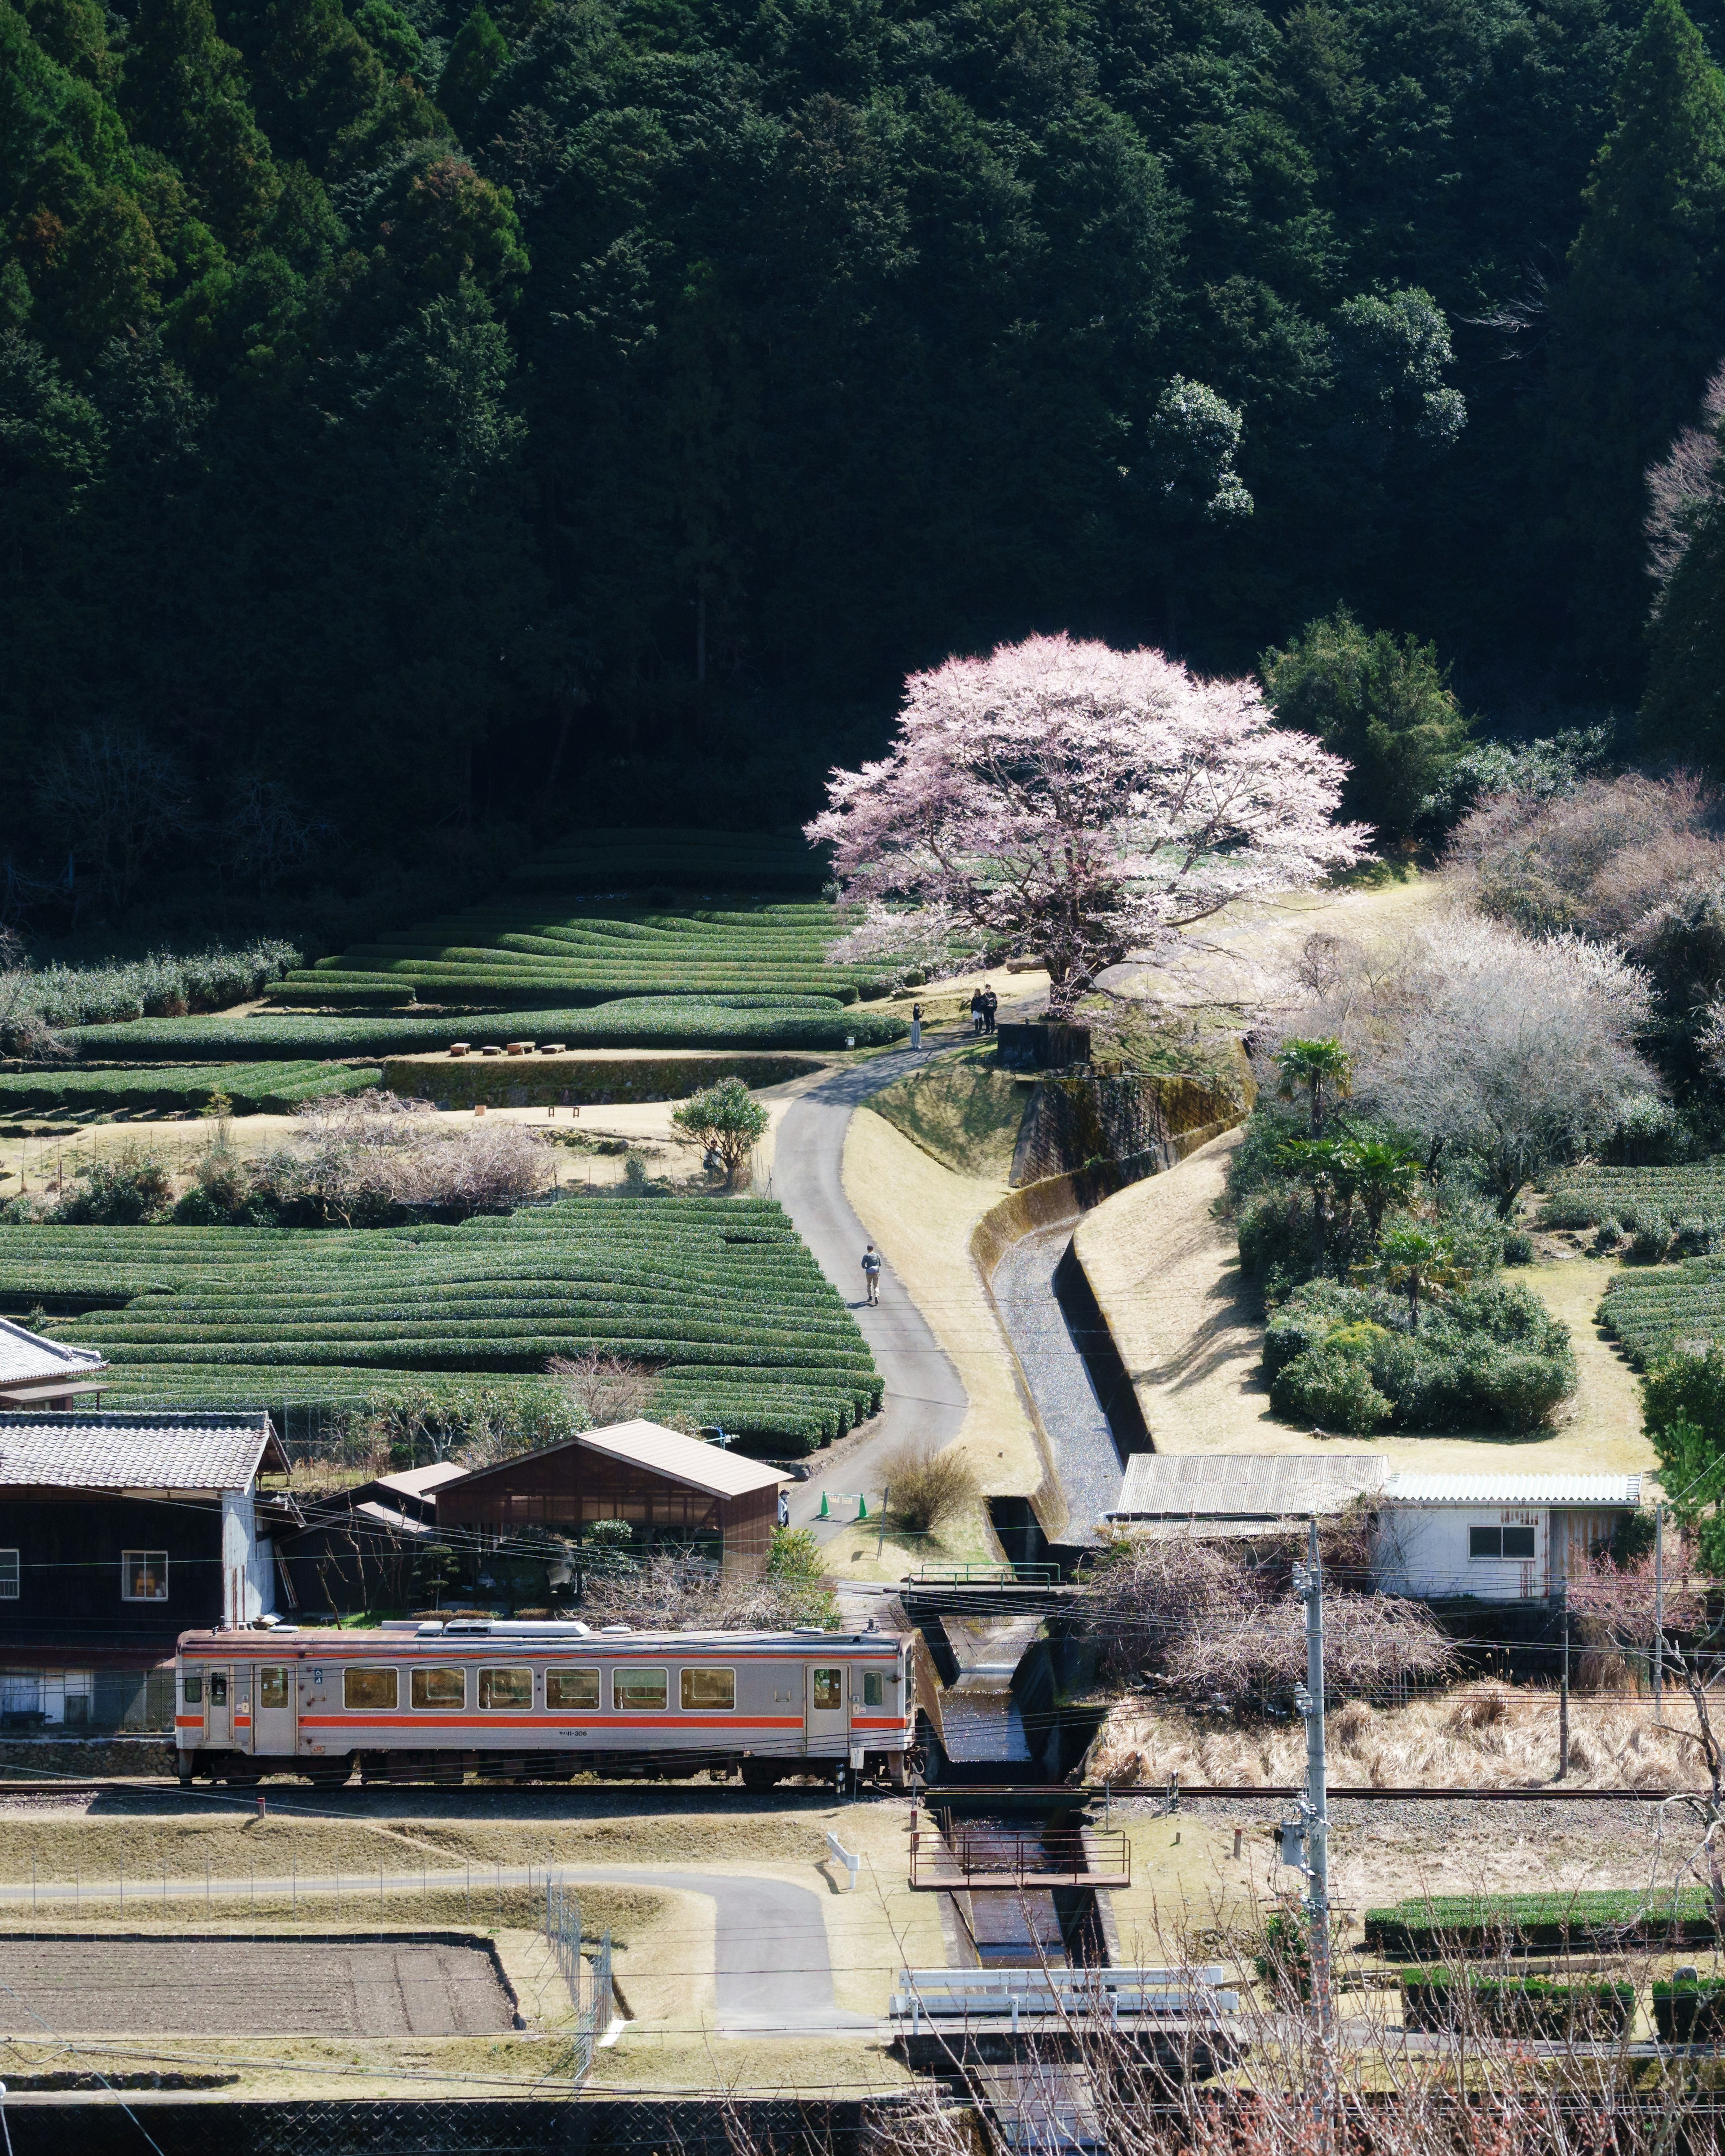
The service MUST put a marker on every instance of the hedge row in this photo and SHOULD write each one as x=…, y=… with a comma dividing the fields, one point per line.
x=1419, y=1928
x=1586, y=1196
x=719, y=1294
x=254, y=1088
x=1518, y=2006
x=742, y=1021
x=520, y=954
x=1649, y=1311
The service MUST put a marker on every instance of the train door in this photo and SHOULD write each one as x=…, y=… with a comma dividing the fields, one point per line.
x=218, y=1708
x=274, y=1719
x=827, y=1717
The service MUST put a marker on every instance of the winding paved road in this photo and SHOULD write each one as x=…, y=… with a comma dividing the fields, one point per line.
x=925, y=1397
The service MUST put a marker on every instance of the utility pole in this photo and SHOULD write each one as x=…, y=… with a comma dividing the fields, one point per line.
x=1315, y=1807
x=1658, y=1607
x=1564, y=1691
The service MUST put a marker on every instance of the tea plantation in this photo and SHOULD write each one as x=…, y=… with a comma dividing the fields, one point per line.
x=1690, y=1196
x=720, y=1296
x=264, y=1088
x=532, y=955
x=808, y=1021
x=1651, y=1309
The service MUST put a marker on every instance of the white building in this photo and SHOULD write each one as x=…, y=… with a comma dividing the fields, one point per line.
x=1435, y=1538
x=1498, y=1537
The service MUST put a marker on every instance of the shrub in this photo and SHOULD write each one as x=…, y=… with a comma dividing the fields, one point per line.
x=119, y=1189
x=926, y=1486
x=1331, y=1387
x=727, y=1119
x=1518, y=1247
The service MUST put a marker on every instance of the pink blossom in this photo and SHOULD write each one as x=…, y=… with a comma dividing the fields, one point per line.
x=1067, y=802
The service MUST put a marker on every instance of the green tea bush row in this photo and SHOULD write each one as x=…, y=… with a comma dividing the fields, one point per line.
x=720, y=1296
x=1677, y=1212
x=1425, y=1925
x=497, y=952
x=254, y=1088
x=163, y=985
x=809, y=1022
x=1528, y=2006
x=1651, y=1312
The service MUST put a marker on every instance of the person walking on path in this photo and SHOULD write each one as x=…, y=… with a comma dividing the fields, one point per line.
x=977, y=1012
x=871, y=1275
x=991, y=1003
x=915, y=1025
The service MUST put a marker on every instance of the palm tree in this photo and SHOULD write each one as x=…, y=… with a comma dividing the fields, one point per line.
x=1321, y=1164
x=1412, y=1259
x=1317, y=1068
x=1383, y=1175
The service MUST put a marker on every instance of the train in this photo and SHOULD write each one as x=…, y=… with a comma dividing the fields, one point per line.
x=436, y=1701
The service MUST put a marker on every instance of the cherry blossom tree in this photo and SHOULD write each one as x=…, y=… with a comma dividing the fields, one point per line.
x=1076, y=804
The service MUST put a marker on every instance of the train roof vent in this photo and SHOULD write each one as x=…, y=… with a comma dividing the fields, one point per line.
x=468, y=1624
x=816, y=1629
x=617, y=1628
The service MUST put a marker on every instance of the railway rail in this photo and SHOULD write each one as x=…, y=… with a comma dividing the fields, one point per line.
x=1055, y=1795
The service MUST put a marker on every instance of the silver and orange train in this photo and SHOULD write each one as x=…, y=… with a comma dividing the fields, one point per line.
x=543, y=1702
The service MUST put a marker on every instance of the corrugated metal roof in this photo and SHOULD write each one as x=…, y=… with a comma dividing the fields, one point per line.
x=418, y=1482
x=1579, y=1490
x=26, y=1357
x=144, y=1451
x=702, y=1466
x=1231, y=1485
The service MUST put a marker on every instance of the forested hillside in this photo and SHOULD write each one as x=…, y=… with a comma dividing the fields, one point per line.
x=412, y=418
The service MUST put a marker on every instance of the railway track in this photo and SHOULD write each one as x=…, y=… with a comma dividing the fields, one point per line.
x=956, y=1794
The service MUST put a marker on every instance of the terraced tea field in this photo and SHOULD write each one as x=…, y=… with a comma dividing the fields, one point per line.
x=810, y=1021
x=718, y=1295
x=263, y=1088
x=1652, y=1308
x=532, y=955
x=1584, y=1197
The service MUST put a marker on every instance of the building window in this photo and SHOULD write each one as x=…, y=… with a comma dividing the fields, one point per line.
x=435, y=1689
x=829, y=1687
x=639, y=1691
x=8, y=1575
x=369, y=1689
x=874, y=1688
x=573, y=1688
x=272, y=1687
x=143, y=1575
x=709, y=1688
x=1516, y=1543
x=501, y=1688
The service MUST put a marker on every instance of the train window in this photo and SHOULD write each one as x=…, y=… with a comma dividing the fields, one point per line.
x=435, y=1688
x=709, y=1687
x=829, y=1687
x=368, y=1688
x=218, y=1687
x=578, y=1688
x=638, y=1691
x=192, y=1690
x=506, y=1688
x=272, y=1688
x=874, y=1688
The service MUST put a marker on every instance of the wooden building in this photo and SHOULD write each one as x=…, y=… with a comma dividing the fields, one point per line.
x=357, y=1549
x=118, y=1532
x=38, y=1372
x=670, y=1488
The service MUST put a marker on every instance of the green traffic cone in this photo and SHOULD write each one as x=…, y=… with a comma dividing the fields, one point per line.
x=862, y=1507
x=824, y=1513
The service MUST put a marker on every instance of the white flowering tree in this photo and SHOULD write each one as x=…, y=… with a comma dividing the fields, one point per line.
x=1076, y=804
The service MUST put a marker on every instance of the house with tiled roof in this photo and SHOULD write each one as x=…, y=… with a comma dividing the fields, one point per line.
x=38, y=1372
x=118, y=1532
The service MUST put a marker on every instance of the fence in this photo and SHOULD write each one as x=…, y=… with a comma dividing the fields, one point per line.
x=589, y=1989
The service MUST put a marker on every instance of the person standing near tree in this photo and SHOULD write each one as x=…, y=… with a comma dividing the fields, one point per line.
x=915, y=1025
x=871, y=1275
x=991, y=1003
x=976, y=1010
